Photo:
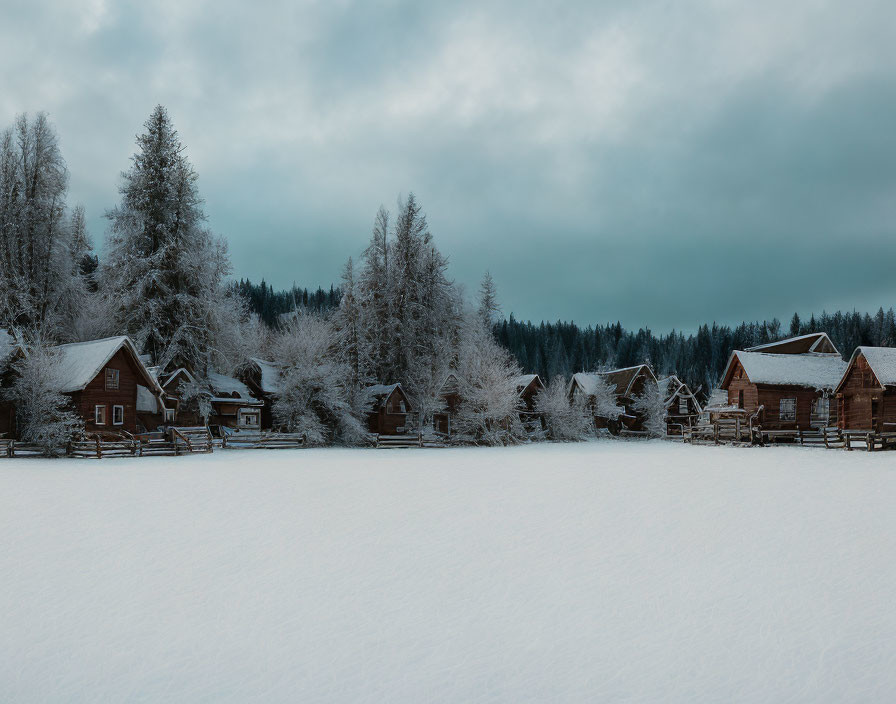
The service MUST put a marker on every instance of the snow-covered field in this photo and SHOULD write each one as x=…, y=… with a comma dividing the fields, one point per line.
x=608, y=571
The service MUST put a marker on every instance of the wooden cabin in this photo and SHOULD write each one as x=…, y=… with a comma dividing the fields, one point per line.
x=626, y=384
x=528, y=387
x=449, y=395
x=103, y=377
x=391, y=410
x=263, y=381
x=866, y=396
x=233, y=405
x=788, y=389
x=682, y=407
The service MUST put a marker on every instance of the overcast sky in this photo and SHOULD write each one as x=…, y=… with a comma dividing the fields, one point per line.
x=660, y=163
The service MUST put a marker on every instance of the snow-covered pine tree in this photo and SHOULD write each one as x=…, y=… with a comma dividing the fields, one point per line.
x=489, y=308
x=603, y=398
x=44, y=415
x=35, y=233
x=165, y=265
x=348, y=325
x=314, y=396
x=652, y=406
x=565, y=421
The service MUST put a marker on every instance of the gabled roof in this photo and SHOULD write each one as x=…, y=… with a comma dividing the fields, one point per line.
x=671, y=387
x=802, y=344
x=525, y=380
x=882, y=361
x=224, y=387
x=812, y=370
x=171, y=376
x=80, y=362
x=269, y=375
x=381, y=392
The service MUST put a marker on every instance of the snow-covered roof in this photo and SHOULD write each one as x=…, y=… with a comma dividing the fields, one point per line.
x=882, y=361
x=7, y=346
x=270, y=375
x=147, y=402
x=801, y=344
x=382, y=389
x=224, y=387
x=80, y=362
x=522, y=382
x=620, y=380
x=812, y=370
x=672, y=388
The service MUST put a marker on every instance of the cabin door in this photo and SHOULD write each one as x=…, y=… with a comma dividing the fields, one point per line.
x=740, y=398
x=875, y=413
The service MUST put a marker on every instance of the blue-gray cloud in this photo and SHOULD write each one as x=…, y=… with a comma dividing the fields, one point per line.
x=658, y=163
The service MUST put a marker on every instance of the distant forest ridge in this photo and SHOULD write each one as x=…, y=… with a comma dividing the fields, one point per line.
x=563, y=348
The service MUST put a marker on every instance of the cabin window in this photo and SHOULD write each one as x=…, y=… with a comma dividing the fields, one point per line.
x=111, y=379
x=117, y=415
x=787, y=409
x=99, y=415
x=169, y=415
x=821, y=407
x=248, y=420
x=401, y=406
x=682, y=406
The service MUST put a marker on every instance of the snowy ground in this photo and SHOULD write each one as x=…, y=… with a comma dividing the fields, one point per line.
x=609, y=571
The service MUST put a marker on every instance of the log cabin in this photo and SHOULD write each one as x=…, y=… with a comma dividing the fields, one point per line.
x=103, y=377
x=263, y=380
x=233, y=405
x=625, y=384
x=788, y=388
x=449, y=396
x=682, y=407
x=528, y=387
x=391, y=410
x=866, y=396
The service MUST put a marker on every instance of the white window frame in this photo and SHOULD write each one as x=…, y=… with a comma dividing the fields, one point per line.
x=114, y=409
x=96, y=414
x=683, y=408
x=169, y=415
x=789, y=415
x=116, y=375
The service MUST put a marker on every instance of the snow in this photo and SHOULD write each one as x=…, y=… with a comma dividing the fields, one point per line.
x=605, y=571
x=80, y=362
x=818, y=337
x=227, y=386
x=7, y=345
x=146, y=400
x=377, y=390
x=882, y=361
x=816, y=371
x=270, y=375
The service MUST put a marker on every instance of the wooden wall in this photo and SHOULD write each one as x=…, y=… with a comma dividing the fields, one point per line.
x=95, y=393
x=859, y=393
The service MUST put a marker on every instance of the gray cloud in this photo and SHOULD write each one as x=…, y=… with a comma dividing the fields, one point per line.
x=658, y=163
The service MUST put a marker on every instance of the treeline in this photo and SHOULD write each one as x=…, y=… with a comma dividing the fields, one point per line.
x=269, y=304
x=564, y=348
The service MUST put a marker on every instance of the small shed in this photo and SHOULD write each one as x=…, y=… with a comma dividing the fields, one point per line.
x=262, y=377
x=682, y=407
x=391, y=411
x=866, y=396
x=449, y=395
x=102, y=377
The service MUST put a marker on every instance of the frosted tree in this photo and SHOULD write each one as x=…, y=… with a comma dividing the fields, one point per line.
x=489, y=308
x=348, y=325
x=651, y=405
x=44, y=415
x=35, y=230
x=603, y=398
x=488, y=413
x=314, y=397
x=166, y=265
x=565, y=421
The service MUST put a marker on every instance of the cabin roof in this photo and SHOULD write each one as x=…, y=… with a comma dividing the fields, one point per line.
x=811, y=370
x=80, y=362
x=882, y=361
x=524, y=380
x=379, y=390
x=671, y=387
x=270, y=375
x=7, y=346
x=622, y=379
x=223, y=387
x=801, y=344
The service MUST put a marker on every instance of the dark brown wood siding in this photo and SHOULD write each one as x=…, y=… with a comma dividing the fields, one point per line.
x=96, y=394
x=865, y=405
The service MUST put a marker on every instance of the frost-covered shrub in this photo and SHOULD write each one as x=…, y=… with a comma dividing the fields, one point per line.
x=564, y=421
x=44, y=415
x=651, y=406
